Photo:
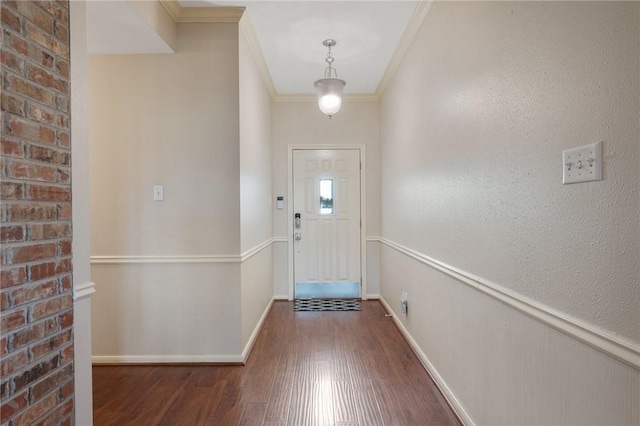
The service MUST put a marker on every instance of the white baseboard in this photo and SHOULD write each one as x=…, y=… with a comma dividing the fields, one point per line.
x=442, y=385
x=281, y=297
x=373, y=296
x=256, y=331
x=167, y=359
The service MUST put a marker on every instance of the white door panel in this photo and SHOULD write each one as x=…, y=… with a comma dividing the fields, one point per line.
x=326, y=189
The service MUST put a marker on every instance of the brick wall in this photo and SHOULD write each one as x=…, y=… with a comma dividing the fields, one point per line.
x=36, y=342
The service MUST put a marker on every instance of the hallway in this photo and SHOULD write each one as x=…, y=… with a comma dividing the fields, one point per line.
x=306, y=368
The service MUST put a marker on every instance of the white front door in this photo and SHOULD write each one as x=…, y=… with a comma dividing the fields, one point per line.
x=326, y=226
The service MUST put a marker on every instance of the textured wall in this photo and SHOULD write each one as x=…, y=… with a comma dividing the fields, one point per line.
x=36, y=342
x=473, y=133
x=473, y=127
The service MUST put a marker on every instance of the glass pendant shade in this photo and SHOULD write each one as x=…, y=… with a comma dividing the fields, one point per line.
x=330, y=95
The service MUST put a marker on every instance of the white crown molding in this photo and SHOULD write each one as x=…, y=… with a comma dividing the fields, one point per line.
x=254, y=47
x=173, y=8
x=202, y=14
x=83, y=291
x=603, y=341
x=302, y=98
x=419, y=14
x=437, y=378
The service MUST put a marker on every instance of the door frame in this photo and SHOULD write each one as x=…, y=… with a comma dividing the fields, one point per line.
x=363, y=210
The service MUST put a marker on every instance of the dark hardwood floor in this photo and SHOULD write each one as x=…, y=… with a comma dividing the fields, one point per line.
x=306, y=368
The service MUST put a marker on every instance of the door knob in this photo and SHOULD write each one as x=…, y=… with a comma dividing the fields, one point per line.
x=297, y=236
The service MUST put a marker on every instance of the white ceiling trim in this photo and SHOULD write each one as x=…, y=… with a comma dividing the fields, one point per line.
x=202, y=14
x=407, y=38
x=254, y=47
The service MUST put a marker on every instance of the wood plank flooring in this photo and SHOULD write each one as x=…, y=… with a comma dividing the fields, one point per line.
x=306, y=368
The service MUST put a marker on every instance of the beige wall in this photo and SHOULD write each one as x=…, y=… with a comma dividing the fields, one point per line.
x=169, y=120
x=255, y=192
x=302, y=123
x=473, y=127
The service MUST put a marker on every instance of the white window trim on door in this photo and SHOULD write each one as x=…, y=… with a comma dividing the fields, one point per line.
x=363, y=210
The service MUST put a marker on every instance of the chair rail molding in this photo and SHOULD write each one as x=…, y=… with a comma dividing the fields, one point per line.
x=603, y=341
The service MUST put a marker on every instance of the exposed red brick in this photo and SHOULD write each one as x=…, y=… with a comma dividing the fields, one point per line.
x=33, y=412
x=31, y=253
x=50, y=307
x=63, y=68
x=10, y=19
x=47, y=41
x=65, y=247
x=49, y=193
x=66, y=319
x=48, y=231
x=13, y=363
x=12, y=190
x=11, y=407
x=64, y=211
x=13, y=277
x=46, y=79
x=33, y=13
x=11, y=61
x=13, y=320
x=65, y=284
x=16, y=43
x=10, y=234
x=29, y=212
x=27, y=89
x=40, y=57
x=27, y=335
x=4, y=349
x=62, y=103
x=37, y=354
x=55, y=418
x=61, y=31
x=49, y=269
x=66, y=355
x=44, y=115
x=48, y=346
x=30, y=171
x=12, y=104
x=4, y=301
x=63, y=176
x=11, y=148
x=26, y=294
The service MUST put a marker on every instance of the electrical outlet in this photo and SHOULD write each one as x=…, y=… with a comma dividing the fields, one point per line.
x=582, y=164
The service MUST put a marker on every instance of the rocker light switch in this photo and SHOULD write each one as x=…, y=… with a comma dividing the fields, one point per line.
x=582, y=164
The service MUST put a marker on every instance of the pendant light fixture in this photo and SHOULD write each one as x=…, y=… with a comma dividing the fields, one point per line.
x=330, y=87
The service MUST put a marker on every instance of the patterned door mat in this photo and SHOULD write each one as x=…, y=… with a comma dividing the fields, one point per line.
x=326, y=305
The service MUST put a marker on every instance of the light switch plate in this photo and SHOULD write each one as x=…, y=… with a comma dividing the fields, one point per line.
x=158, y=193
x=582, y=164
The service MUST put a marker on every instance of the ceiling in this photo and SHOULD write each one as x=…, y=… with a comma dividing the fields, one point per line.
x=289, y=33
